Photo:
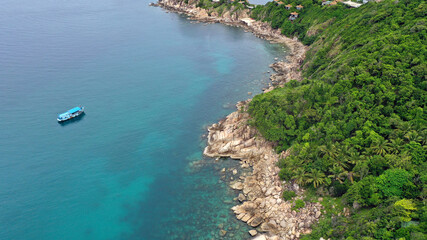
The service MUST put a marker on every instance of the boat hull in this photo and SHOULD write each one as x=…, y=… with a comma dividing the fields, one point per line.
x=71, y=116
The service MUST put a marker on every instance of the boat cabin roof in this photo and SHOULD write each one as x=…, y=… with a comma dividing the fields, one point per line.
x=74, y=110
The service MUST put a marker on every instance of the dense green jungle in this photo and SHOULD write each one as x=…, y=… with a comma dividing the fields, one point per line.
x=356, y=124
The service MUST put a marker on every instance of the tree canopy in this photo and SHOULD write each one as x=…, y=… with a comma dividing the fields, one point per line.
x=356, y=124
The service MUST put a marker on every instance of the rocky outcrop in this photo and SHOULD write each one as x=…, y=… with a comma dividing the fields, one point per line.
x=262, y=205
x=228, y=16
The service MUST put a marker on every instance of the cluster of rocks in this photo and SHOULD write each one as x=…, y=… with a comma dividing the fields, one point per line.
x=262, y=206
x=285, y=71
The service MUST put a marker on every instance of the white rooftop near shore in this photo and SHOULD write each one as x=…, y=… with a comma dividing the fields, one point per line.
x=248, y=21
x=352, y=4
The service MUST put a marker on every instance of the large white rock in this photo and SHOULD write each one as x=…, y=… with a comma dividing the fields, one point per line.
x=225, y=149
x=246, y=218
x=241, y=215
x=253, y=232
x=283, y=224
x=259, y=237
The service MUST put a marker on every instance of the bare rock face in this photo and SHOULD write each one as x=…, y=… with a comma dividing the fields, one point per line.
x=214, y=14
x=201, y=13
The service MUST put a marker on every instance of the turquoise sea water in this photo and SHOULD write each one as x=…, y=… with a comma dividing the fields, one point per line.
x=132, y=167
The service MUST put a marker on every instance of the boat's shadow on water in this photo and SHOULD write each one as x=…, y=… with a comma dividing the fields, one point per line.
x=72, y=121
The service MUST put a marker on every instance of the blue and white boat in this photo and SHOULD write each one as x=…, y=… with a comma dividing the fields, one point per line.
x=70, y=114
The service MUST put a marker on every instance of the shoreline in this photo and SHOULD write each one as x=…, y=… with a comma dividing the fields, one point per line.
x=262, y=206
x=284, y=70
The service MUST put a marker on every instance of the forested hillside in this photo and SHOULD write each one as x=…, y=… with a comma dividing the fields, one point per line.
x=356, y=126
x=313, y=17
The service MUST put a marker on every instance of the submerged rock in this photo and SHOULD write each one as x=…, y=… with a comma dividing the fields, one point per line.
x=241, y=197
x=237, y=186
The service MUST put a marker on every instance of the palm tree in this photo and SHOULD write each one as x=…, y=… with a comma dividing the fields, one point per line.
x=381, y=147
x=316, y=177
x=362, y=169
x=305, y=158
x=351, y=175
x=329, y=150
x=337, y=173
x=395, y=145
x=423, y=137
x=368, y=152
x=412, y=136
x=405, y=127
x=300, y=176
x=341, y=161
x=353, y=156
x=344, y=158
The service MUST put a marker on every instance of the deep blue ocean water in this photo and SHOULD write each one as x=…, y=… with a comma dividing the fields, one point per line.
x=132, y=167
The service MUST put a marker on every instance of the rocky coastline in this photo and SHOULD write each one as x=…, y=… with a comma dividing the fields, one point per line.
x=262, y=206
x=284, y=70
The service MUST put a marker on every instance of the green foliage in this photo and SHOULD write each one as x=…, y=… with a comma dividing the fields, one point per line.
x=352, y=122
x=312, y=20
x=356, y=125
x=384, y=222
x=404, y=208
x=285, y=174
x=416, y=151
x=372, y=191
x=395, y=182
x=298, y=204
x=364, y=192
x=288, y=195
x=217, y=6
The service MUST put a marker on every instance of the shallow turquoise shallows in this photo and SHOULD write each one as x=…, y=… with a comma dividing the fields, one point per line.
x=132, y=167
